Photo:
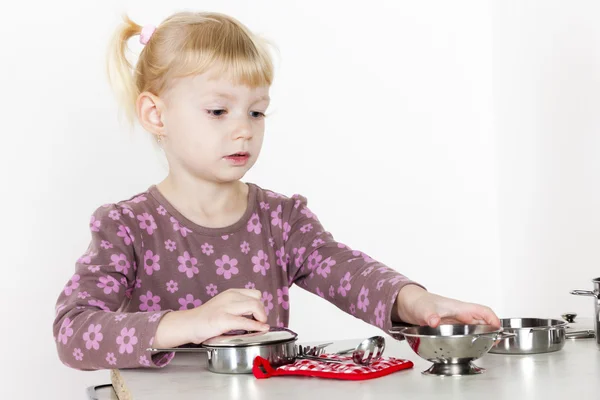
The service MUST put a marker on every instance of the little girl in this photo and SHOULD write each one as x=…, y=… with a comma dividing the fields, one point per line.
x=202, y=253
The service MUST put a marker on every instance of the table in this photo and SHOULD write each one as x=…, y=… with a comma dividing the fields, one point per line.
x=573, y=372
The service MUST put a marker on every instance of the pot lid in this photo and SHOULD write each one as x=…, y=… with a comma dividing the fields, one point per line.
x=245, y=338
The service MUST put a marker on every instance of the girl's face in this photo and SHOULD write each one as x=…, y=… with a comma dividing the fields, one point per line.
x=213, y=128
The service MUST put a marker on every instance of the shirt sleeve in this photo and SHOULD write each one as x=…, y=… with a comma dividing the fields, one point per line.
x=90, y=328
x=347, y=278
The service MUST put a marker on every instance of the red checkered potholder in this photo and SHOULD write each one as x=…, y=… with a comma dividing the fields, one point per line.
x=386, y=365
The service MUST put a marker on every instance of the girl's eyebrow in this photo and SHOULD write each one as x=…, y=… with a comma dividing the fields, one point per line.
x=232, y=97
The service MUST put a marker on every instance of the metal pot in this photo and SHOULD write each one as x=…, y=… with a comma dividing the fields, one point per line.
x=532, y=336
x=596, y=295
x=235, y=353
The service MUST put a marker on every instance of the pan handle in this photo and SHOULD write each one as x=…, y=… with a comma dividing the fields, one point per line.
x=583, y=293
x=179, y=350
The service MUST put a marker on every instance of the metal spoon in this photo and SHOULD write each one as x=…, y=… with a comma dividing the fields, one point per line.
x=367, y=351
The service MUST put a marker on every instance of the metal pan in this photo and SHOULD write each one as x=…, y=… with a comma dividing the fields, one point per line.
x=532, y=336
x=235, y=353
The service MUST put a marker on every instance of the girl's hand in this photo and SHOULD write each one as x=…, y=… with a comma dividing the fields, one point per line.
x=227, y=311
x=416, y=306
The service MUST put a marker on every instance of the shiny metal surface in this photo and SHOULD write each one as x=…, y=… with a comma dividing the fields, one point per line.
x=239, y=360
x=452, y=348
x=367, y=351
x=532, y=336
x=274, y=335
x=596, y=295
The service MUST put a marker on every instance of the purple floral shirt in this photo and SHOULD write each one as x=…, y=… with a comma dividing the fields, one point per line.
x=146, y=259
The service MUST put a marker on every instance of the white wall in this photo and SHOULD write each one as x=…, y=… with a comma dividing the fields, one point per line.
x=462, y=136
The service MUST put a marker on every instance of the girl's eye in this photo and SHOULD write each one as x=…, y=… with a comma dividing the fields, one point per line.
x=257, y=114
x=216, y=113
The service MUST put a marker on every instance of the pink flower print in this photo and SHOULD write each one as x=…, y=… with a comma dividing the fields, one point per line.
x=109, y=284
x=383, y=270
x=114, y=215
x=154, y=318
x=139, y=199
x=299, y=253
x=250, y=285
x=144, y=361
x=321, y=294
x=254, y=224
x=345, y=285
x=94, y=224
x=313, y=260
x=331, y=291
x=86, y=259
x=93, y=337
x=264, y=206
x=271, y=242
x=352, y=308
x=188, y=264
x=380, y=314
x=367, y=271
x=72, y=284
x=125, y=233
x=282, y=258
x=83, y=295
x=126, y=340
x=279, y=324
x=124, y=281
x=260, y=262
x=149, y=302
x=363, y=299
x=397, y=279
x=127, y=211
x=111, y=359
x=94, y=268
x=245, y=247
x=78, y=354
x=120, y=262
x=276, y=217
x=297, y=203
x=324, y=268
x=227, y=267
x=120, y=317
x=225, y=237
x=183, y=231
x=161, y=210
x=138, y=283
x=147, y=223
x=267, y=300
x=151, y=262
x=286, y=231
x=380, y=284
x=99, y=304
x=170, y=245
x=317, y=242
x=189, y=302
x=207, y=249
x=65, y=331
x=105, y=244
x=283, y=297
x=172, y=286
x=211, y=290
x=306, y=228
x=306, y=211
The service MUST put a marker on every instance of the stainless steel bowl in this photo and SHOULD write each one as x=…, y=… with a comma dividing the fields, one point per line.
x=452, y=348
x=532, y=336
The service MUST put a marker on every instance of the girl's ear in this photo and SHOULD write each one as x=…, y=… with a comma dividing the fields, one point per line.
x=149, y=109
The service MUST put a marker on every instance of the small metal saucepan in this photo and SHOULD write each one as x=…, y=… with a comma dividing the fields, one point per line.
x=532, y=336
x=596, y=295
x=235, y=353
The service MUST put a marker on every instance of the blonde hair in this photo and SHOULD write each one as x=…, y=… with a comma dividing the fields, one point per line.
x=186, y=43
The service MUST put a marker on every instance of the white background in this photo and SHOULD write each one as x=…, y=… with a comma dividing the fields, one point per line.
x=456, y=142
